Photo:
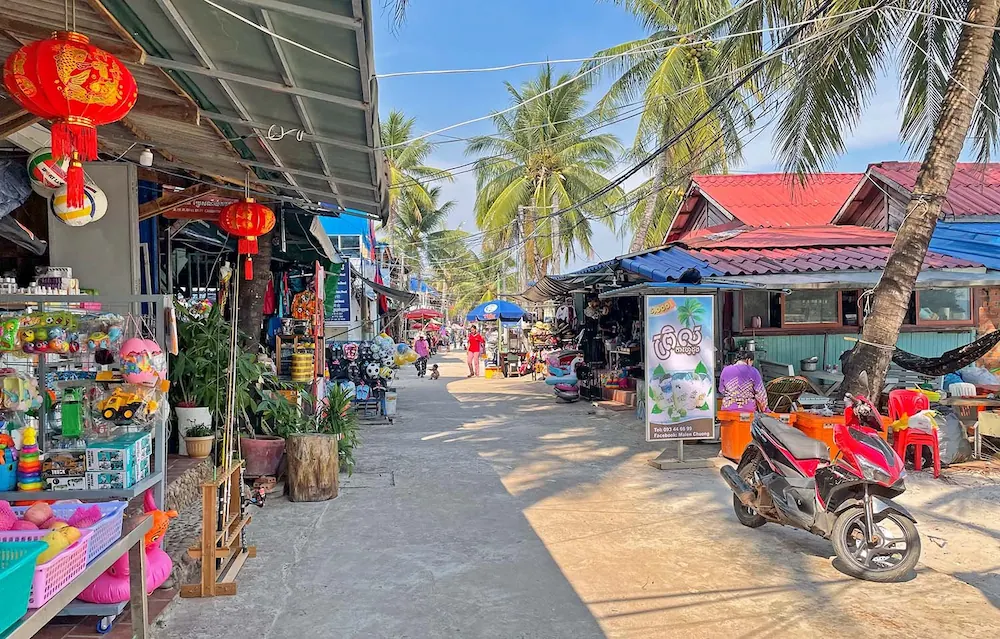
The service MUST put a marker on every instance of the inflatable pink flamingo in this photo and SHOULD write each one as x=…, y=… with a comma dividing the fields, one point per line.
x=112, y=586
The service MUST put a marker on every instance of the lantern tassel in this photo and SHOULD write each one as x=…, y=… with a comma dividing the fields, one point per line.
x=248, y=269
x=248, y=245
x=74, y=185
x=70, y=137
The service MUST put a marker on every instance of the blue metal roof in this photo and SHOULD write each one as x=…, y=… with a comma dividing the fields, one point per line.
x=593, y=268
x=973, y=241
x=665, y=264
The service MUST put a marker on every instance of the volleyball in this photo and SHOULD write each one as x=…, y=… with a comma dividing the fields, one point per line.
x=45, y=173
x=95, y=205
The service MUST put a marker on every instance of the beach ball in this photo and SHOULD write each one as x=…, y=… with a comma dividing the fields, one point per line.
x=402, y=348
x=137, y=362
x=95, y=205
x=45, y=173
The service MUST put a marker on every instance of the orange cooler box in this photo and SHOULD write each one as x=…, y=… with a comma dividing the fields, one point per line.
x=821, y=427
x=735, y=430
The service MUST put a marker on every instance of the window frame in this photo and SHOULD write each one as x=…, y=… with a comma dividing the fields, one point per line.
x=839, y=325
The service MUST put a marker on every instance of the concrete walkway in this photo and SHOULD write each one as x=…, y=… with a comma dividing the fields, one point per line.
x=490, y=510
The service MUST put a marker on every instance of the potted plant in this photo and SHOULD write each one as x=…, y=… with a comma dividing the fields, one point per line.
x=199, y=440
x=199, y=373
x=313, y=434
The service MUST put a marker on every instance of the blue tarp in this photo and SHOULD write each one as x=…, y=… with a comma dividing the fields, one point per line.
x=494, y=310
x=974, y=241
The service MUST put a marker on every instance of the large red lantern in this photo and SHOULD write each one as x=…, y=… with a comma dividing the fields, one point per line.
x=76, y=85
x=247, y=220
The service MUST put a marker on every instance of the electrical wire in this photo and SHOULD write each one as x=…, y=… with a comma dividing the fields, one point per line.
x=617, y=118
x=277, y=36
x=780, y=49
x=582, y=74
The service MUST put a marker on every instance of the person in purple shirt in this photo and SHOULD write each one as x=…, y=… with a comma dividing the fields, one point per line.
x=423, y=351
x=742, y=387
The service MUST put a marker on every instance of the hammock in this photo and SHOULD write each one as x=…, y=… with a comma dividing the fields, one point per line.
x=950, y=361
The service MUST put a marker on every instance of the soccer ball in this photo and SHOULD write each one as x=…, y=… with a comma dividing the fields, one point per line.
x=372, y=369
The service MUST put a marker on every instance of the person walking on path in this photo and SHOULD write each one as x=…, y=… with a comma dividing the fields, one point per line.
x=476, y=346
x=423, y=351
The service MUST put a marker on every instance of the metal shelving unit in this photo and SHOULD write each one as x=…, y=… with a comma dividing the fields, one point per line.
x=152, y=309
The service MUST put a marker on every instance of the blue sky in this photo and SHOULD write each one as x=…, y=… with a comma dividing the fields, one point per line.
x=451, y=34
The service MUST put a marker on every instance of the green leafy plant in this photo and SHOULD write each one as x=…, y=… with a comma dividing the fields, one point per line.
x=200, y=368
x=199, y=430
x=335, y=416
x=281, y=417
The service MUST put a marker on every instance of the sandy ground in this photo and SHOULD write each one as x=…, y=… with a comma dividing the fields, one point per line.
x=490, y=510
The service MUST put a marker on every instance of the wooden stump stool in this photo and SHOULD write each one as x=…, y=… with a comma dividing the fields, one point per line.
x=313, y=467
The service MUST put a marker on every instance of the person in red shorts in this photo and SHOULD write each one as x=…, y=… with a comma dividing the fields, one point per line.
x=476, y=346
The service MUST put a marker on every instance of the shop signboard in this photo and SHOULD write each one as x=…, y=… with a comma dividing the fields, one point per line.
x=340, y=309
x=680, y=367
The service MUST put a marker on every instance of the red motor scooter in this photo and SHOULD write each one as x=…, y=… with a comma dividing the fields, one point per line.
x=787, y=477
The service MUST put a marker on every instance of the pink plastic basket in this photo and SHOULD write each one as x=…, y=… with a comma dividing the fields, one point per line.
x=58, y=572
x=104, y=533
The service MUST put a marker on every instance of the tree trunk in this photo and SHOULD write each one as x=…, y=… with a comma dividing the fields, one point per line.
x=313, y=467
x=554, y=229
x=251, y=298
x=892, y=295
x=642, y=233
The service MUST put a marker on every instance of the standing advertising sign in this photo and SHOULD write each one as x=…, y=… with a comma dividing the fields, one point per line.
x=680, y=367
x=340, y=309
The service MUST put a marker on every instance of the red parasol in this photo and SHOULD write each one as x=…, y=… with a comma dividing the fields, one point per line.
x=423, y=314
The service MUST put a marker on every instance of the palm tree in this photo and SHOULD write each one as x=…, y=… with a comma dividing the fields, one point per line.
x=408, y=173
x=666, y=72
x=419, y=227
x=485, y=278
x=541, y=159
x=942, y=60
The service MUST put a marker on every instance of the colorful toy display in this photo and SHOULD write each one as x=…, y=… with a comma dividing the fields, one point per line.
x=137, y=360
x=8, y=464
x=127, y=403
x=113, y=585
x=29, y=463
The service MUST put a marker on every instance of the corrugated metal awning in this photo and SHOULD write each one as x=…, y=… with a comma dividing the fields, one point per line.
x=673, y=288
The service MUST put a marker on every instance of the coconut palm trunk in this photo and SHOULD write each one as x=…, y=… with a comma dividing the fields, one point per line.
x=642, y=233
x=251, y=297
x=555, y=228
x=892, y=295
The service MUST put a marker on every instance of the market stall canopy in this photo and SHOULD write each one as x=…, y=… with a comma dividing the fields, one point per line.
x=402, y=297
x=496, y=309
x=223, y=90
x=423, y=313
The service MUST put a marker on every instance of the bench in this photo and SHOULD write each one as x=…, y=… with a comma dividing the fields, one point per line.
x=897, y=377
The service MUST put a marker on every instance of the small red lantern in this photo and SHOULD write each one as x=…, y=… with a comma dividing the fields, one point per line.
x=247, y=220
x=76, y=85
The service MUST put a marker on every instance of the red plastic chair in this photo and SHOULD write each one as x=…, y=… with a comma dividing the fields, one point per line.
x=904, y=401
x=918, y=439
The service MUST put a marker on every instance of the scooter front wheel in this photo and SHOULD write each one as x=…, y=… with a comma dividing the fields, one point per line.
x=892, y=556
x=747, y=516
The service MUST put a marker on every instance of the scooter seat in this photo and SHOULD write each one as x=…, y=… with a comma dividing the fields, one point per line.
x=800, y=445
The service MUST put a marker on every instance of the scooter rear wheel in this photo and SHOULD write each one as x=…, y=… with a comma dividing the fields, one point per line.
x=893, y=558
x=747, y=516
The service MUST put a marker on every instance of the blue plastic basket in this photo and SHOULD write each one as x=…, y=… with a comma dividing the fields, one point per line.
x=17, y=570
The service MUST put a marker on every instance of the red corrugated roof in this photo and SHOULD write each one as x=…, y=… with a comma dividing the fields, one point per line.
x=779, y=199
x=804, y=250
x=974, y=190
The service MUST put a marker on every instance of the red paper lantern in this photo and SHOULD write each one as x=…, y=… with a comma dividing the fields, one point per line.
x=247, y=220
x=76, y=85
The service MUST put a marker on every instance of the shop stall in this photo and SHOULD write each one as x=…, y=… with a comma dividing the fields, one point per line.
x=504, y=352
x=83, y=419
